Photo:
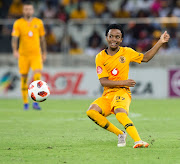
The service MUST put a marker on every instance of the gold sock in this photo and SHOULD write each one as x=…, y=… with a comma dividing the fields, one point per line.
x=24, y=89
x=103, y=122
x=37, y=76
x=128, y=125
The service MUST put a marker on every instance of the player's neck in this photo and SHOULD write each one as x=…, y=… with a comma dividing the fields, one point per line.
x=112, y=52
x=29, y=19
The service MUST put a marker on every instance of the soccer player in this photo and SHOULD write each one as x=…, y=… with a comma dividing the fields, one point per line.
x=112, y=65
x=32, y=48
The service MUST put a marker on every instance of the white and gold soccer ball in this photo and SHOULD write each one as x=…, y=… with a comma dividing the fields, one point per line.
x=38, y=91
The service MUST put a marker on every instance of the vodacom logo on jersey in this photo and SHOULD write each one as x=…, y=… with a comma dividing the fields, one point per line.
x=115, y=72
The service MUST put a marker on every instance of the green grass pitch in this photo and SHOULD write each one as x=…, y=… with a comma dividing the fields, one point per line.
x=62, y=133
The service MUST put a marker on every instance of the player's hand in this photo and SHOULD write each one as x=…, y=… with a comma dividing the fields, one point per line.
x=44, y=57
x=16, y=54
x=165, y=37
x=130, y=83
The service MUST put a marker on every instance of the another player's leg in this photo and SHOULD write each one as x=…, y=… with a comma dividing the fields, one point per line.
x=36, y=66
x=123, y=118
x=24, y=90
x=24, y=66
x=95, y=114
x=37, y=76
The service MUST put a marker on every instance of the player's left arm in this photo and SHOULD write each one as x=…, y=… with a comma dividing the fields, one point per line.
x=151, y=53
x=43, y=48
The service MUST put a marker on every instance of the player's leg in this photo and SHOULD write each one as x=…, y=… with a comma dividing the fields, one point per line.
x=122, y=117
x=24, y=90
x=24, y=66
x=121, y=104
x=36, y=66
x=98, y=115
x=37, y=74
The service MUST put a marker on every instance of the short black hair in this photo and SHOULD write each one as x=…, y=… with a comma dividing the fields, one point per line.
x=27, y=3
x=115, y=26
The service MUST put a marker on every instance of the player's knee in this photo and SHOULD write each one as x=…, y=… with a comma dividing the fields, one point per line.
x=37, y=75
x=91, y=112
x=88, y=112
x=120, y=110
x=24, y=75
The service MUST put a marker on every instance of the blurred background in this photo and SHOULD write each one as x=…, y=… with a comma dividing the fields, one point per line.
x=75, y=33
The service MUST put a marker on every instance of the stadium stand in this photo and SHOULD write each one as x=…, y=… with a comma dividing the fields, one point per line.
x=71, y=23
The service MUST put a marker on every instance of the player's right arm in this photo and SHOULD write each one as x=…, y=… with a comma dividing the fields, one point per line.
x=105, y=82
x=103, y=76
x=14, y=42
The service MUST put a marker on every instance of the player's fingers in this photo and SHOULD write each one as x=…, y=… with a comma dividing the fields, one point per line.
x=165, y=32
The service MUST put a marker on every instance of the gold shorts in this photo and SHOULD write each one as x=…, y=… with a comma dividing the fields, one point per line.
x=26, y=62
x=113, y=100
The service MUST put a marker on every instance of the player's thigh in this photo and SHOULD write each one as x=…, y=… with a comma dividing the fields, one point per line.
x=36, y=62
x=104, y=104
x=121, y=100
x=24, y=64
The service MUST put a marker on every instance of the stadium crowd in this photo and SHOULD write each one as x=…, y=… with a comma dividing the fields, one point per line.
x=138, y=36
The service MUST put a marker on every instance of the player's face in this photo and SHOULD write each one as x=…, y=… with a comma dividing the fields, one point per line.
x=114, y=38
x=28, y=11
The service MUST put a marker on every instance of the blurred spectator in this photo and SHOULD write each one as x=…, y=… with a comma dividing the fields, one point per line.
x=176, y=11
x=156, y=6
x=122, y=13
x=95, y=37
x=94, y=44
x=129, y=6
x=142, y=14
x=74, y=48
x=144, y=42
x=93, y=49
x=4, y=6
x=7, y=28
x=78, y=13
x=144, y=5
x=61, y=14
x=52, y=43
x=15, y=9
x=99, y=7
x=168, y=25
x=68, y=2
x=71, y=6
x=106, y=13
x=165, y=9
x=49, y=11
x=156, y=35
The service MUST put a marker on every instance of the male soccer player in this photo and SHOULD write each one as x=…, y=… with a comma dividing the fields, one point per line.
x=32, y=48
x=112, y=65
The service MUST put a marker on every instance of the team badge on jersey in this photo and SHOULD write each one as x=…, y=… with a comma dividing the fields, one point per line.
x=99, y=70
x=122, y=59
x=30, y=33
x=115, y=72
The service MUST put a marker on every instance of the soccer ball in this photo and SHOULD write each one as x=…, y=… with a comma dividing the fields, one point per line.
x=38, y=90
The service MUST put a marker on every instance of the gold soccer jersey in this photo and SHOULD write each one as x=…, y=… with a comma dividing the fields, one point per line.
x=116, y=67
x=29, y=34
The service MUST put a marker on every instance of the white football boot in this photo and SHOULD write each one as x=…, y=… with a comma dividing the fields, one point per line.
x=122, y=139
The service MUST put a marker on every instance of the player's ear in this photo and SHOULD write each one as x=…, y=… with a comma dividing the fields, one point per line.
x=121, y=40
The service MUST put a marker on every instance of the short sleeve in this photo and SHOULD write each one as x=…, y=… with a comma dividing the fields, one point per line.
x=135, y=56
x=41, y=29
x=15, y=31
x=100, y=68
